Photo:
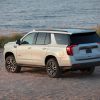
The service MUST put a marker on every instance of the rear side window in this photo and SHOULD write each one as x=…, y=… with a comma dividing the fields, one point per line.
x=84, y=38
x=62, y=39
x=48, y=38
x=43, y=38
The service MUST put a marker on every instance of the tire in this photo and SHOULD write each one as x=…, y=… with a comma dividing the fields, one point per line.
x=11, y=65
x=52, y=68
x=89, y=70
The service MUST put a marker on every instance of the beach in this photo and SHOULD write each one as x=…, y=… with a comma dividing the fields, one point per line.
x=34, y=84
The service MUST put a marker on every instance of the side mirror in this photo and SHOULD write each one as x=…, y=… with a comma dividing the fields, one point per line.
x=18, y=42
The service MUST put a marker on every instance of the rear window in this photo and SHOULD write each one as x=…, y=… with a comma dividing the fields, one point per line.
x=84, y=38
x=62, y=39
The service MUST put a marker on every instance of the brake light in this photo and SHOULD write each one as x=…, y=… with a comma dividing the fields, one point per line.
x=69, y=50
x=98, y=42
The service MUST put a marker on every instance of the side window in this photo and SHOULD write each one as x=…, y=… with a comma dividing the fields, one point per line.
x=29, y=39
x=41, y=38
x=48, y=38
x=62, y=39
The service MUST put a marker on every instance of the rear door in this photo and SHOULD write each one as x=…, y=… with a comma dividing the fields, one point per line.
x=87, y=46
x=40, y=48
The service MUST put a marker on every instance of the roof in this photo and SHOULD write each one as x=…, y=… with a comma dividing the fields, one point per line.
x=77, y=30
x=66, y=31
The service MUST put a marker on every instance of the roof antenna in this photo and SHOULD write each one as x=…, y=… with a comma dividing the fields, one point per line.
x=33, y=29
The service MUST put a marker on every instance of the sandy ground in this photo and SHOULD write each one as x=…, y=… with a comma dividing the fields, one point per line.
x=34, y=84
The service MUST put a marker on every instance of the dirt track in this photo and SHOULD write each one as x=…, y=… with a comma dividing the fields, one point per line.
x=34, y=84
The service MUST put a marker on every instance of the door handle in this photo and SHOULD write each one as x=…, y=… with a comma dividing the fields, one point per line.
x=15, y=46
x=29, y=47
x=44, y=48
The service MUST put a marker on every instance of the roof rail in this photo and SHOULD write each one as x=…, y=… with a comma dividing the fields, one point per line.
x=61, y=30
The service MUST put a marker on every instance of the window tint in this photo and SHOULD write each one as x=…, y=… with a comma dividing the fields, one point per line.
x=41, y=38
x=48, y=38
x=34, y=38
x=62, y=39
x=29, y=39
x=84, y=38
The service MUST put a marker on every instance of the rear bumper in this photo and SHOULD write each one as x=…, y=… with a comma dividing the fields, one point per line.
x=85, y=65
x=82, y=65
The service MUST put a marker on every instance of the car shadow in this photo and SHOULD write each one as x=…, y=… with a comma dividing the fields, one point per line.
x=41, y=71
x=80, y=75
x=34, y=70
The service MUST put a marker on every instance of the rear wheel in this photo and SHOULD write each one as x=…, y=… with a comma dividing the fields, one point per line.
x=10, y=64
x=89, y=70
x=52, y=68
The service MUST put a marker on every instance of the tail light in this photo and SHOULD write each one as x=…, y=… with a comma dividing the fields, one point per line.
x=98, y=42
x=69, y=50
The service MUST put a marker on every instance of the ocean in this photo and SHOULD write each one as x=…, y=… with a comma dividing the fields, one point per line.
x=25, y=15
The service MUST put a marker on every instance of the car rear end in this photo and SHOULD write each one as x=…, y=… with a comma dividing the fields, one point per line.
x=84, y=49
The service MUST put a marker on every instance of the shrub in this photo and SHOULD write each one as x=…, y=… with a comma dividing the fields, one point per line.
x=10, y=38
x=98, y=30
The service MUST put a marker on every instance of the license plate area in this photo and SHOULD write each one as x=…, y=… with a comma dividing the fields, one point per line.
x=88, y=51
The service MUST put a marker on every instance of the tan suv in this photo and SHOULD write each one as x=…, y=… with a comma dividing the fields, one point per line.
x=58, y=50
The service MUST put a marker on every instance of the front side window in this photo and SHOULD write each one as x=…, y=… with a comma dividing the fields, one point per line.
x=29, y=39
x=62, y=39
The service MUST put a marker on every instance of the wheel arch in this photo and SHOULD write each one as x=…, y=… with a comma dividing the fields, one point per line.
x=8, y=54
x=48, y=57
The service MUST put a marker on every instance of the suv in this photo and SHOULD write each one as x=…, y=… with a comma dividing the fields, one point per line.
x=58, y=50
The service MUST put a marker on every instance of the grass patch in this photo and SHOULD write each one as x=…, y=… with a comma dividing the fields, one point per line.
x=9, y=38
x=98, y=30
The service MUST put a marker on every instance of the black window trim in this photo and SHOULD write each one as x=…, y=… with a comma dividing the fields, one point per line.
x=36, y=33
x=49, y=39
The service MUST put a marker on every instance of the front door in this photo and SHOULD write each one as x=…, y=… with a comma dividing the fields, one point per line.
x=24, y=51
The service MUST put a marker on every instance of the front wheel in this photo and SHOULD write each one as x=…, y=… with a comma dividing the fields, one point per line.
x=10, y=64
x=89, y=70
x=52, y=68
